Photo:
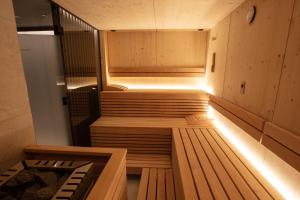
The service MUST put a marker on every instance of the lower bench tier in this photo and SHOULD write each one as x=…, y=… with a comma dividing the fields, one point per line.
x=156, y=183
x=139, y=135
x=203, y=163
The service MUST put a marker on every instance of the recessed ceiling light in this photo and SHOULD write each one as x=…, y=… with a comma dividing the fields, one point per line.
x=44, y=15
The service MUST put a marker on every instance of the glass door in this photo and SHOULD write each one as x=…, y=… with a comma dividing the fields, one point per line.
x=80, y=48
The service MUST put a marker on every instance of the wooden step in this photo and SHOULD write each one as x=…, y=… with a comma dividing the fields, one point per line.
x=136, y=162
x=156, y=183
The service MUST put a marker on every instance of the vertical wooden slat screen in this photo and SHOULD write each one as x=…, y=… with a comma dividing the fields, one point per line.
x=79, y=47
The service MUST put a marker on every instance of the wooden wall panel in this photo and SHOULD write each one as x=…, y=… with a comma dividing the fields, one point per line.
x=162, y=48
x=287, y=110
x=255, y=55
x=132, y=49
x=181, y=48
x=217, y=43
x=16, y=127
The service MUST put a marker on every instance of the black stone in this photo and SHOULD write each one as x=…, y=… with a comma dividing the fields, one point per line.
x=24, y=177
x=8, y=197
x=30, y=192
x=45, y=193
x=46, y=178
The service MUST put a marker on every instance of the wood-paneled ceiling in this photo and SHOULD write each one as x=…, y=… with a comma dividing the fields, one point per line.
x=150, y=14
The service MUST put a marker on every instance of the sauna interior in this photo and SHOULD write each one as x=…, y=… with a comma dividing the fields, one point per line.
x=149, y=99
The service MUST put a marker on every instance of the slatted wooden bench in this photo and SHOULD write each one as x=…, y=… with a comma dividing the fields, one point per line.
x=206, y=167
x=153, y=103
x=136, y=162
x=156, y=183
x=140, y=135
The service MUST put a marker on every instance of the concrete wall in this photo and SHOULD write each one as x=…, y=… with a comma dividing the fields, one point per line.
x=16, y=127
x=265, y=55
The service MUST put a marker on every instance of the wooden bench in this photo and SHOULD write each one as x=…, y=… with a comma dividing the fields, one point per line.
x=140, y=135
x=136, y=162
x=283, y=143
x=153, y=103
x=205, y=167
x=156, y=183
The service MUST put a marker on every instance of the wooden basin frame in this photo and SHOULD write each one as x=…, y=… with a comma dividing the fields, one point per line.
x=111, y=184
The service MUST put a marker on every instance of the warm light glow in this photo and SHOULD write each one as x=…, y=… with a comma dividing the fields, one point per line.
x=162, y=87
x=36, y=33
x=160, y=83
x=78, y=82
x=208, y=89
x=257, y=161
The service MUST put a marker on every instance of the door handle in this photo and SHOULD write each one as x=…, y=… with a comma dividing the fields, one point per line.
x=65, y=101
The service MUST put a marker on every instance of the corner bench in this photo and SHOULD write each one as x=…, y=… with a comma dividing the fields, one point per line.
x=203, y=163
x=205, y=167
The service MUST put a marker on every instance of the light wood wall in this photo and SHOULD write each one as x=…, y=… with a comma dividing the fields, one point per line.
x=157, y=48
x=16, y=127
x=146, y=50
x=264, y=55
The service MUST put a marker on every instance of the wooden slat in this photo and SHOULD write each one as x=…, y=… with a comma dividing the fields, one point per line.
x=161, y=184
x=196, y=169
x=147, y=115
x=156, y=183
x=271, y=190
x=184, y=171
x=155, y=94
x=170, y=193
x=148, y=134
x=156, y=71
x=219, y=169
x=239, y=181
x=133, y=122
x=213, y=180
x=137, y=163
x=225, y=173
x=151, y=103
x=254, y=183
x=151, y=195
x=135, y=134
x=142, y=193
